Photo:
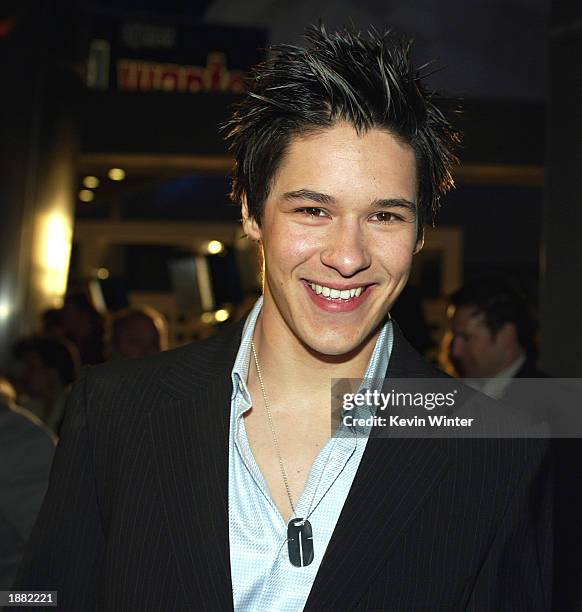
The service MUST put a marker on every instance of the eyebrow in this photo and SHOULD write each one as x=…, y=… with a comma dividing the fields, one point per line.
x=326, y=199
x=395, y=203
x=307, y=194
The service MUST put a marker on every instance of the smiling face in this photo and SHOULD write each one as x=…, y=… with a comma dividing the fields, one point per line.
x=338, y=234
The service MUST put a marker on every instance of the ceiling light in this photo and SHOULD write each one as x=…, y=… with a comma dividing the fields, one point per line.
x=221, y=315
x=214, y=247
x=86, y=195
x=91, y=182
x=116, y=174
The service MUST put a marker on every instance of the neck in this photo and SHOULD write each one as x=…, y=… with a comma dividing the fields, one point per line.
x=510, y=358
x=292, y=369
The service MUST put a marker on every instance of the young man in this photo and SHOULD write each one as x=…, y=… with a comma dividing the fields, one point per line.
x=207, y=477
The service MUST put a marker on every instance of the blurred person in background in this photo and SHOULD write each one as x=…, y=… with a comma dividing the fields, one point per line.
x=53, y=323
x=493, y=341
x=7, y=391
x=493, y=335
x=45, y=370
x=85, y=327
x=137, y=332
x=26, y=453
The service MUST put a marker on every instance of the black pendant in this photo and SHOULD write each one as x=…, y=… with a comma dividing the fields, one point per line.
x=300, y=542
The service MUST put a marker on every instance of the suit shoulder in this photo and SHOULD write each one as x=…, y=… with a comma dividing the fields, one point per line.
x=23, y=434
x=141, y=370
x=176, y=371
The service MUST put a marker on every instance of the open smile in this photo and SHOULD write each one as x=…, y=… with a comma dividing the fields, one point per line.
x=337, y=299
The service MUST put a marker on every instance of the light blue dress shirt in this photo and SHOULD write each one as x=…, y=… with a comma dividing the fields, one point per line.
x=263, y=578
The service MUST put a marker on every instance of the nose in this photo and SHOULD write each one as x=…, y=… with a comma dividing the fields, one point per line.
x=346, y=250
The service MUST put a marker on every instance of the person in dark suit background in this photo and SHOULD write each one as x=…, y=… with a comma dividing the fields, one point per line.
x=45, y=367
x=208, y=477
x=26, y=453
x=494, y=332
x=136, y=332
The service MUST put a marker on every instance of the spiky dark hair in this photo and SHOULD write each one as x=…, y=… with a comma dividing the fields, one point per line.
x=367, y=81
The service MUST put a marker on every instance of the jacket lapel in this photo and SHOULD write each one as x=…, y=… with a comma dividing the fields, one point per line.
x=190, y=439
x=393, y=481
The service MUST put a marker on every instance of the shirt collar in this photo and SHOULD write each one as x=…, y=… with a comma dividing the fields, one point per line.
x=240, y=370
x=378, y=364
x=496, y=385
x=511, y=370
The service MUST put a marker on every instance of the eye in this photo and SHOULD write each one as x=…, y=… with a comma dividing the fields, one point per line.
x=386, y=218
x=311, y=211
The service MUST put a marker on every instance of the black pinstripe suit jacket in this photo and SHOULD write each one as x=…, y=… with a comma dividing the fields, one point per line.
x=136, y=517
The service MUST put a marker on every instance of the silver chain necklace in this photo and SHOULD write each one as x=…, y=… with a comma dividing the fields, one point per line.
x=299, y=531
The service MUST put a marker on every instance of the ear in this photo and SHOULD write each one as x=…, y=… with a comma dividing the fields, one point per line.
x=419, y=243
x=507, y=333
x=250, y=226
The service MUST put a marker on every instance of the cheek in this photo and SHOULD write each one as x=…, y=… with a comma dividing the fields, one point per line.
x=291, y=246
x=395, y=254
x=481, y=351
x=471, y=350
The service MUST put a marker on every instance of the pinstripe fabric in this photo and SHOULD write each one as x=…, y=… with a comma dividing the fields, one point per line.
x=136, y=516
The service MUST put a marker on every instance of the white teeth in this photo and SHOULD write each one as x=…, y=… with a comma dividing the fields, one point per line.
x=344, y=294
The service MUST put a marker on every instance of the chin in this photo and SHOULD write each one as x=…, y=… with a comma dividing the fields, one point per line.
x=334, y=345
